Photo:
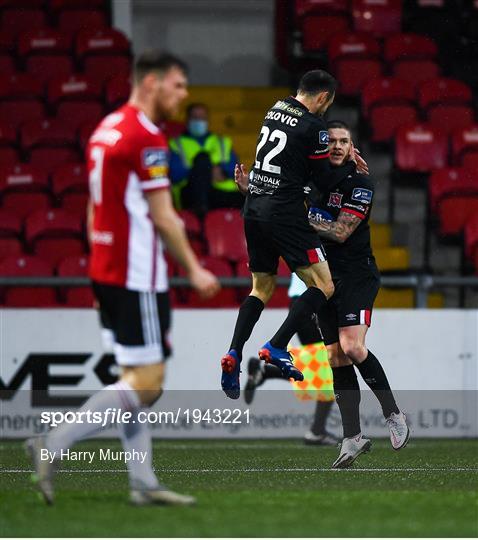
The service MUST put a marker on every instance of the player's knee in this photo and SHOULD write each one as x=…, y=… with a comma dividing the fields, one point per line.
x=263, y=287
x=353, y=348
x=328, y=289
x=336, y=357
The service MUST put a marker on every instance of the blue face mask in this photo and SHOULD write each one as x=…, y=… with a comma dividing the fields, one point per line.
x=198, y=128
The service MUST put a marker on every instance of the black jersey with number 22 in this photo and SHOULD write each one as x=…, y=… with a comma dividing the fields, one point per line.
x=292, y=150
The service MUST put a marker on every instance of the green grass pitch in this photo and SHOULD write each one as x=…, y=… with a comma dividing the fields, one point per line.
x=255, y=488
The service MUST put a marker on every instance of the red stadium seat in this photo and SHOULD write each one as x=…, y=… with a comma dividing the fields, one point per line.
x=23, y=204
x=84, y=133
x=471, y=238
x=451, y=117
x=191, y=222
x=355, y=60
x=470, y=160
x=51, y=158
x=43, y=41
x=70, y=178
x=409, y=47
x=27, y=266
x=23, y=178
x=377, y=18
x=54, y=234
x=451, y=182
x=416, y=71
x=464, y=141
x=8, y=135
x=353, y=45
x=57, y=5
x=48, y=66
x=117, y=92
x=443, y=91
x=76, y=266
x=51, y=132
x=16, y=112
x=18, y=20
x=8, y=157
x=104, y=41
x=10, y=224
x=75, y=203
x=454, y=212
x=7, y=64
x=24, y=189
x=386, y=119
x=10, y=247
x=78, y=113
x=77, y=87
x=21, y=86
x=303, y=7
x=74, y=20
x=386, y=91
x=224, y=233
x=420, y=148
x=29, y=4
x=227, y=295
x=353, y=74
x=318, y=29
x=105, y=67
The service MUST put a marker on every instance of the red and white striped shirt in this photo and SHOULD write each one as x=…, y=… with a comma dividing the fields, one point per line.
x=127, y=157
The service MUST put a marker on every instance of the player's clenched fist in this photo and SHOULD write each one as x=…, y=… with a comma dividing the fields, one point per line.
x=205, y=283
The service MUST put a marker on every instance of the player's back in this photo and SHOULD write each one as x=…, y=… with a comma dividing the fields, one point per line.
x=288, y=140
x=127, y=156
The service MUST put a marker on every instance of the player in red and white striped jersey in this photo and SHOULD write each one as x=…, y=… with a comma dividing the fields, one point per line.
x=131, y=220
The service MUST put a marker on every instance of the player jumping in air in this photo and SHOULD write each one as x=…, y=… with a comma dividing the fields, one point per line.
x=292, y=150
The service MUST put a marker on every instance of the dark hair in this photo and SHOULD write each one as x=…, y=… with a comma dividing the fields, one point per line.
x=316, y=81
x=158, y=62
x=338, y=124
x=196, y=105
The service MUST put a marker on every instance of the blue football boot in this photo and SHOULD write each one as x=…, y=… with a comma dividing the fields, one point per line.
x=231, y=368
x=282, y=359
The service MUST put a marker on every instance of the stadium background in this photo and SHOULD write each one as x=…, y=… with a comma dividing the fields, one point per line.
x=408, y=78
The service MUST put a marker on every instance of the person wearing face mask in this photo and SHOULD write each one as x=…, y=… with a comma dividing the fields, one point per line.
x=202, y=166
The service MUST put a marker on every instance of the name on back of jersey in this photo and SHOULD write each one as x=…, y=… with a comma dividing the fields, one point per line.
x=281, y=117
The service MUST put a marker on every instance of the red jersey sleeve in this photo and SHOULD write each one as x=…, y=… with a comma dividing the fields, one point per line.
x=152, y=163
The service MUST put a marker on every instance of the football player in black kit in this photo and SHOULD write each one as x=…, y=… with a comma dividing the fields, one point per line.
x=292, y=151
x=341, y=217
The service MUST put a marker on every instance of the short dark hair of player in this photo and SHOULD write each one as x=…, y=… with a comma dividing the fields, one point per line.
x=197, y=105
x=338, y=124
x=317, y=81
x=157, y=62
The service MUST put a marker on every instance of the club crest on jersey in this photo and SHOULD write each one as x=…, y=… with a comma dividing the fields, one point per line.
x=362, y=195
x=335, y=199
x=323, y=137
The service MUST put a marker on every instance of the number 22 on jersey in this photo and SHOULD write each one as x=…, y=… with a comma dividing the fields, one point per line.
x=266, y=135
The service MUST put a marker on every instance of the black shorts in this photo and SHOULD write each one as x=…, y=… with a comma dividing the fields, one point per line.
x=353, y=299
x=135, y=324
x=296, y=242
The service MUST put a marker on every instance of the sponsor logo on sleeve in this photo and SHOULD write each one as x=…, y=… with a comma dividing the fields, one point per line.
x=362, y=195
x=335, y=199
x=323, y=137
x=155, y=160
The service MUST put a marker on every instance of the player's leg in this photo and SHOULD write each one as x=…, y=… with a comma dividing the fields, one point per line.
x=302, y=250
x=352, y=341
x=347, y=396
x=263, y=263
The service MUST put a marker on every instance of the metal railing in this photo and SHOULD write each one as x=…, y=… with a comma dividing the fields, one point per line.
x=422, y=284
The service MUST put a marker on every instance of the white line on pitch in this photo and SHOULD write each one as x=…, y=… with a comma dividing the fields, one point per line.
x=256, y=470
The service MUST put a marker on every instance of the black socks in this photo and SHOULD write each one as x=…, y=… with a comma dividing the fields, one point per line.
x=347, y=396
x=322, y=410
x=373, y=374
x=311, y=301
x=249, y=314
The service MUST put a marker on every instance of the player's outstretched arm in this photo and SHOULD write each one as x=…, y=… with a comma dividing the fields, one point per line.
x=339, y=230
x=171, y=229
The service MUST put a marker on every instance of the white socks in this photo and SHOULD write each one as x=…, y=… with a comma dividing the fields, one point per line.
x=134, y=436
